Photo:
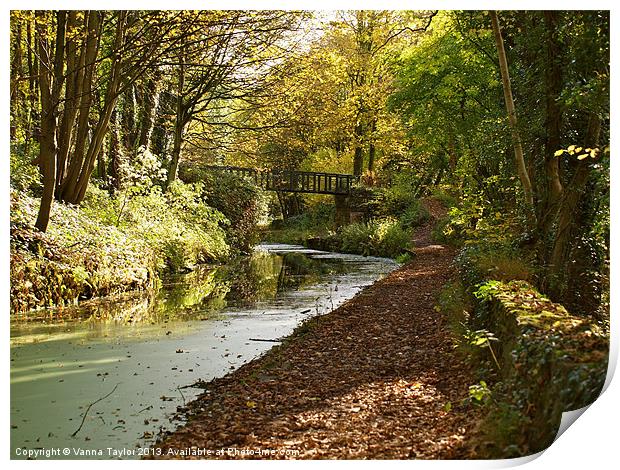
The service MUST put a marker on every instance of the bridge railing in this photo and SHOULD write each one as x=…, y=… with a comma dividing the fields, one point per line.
x=294, y=181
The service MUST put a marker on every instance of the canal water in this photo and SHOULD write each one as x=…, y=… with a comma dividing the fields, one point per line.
x=105, y=378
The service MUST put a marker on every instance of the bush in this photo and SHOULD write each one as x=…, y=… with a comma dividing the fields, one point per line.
x=357, y=238
x=316, y=222
x=24, y=175
x=480, y=261
x=475, y=219
x=242, y=202
x=442, y=194
x=320, y=215
x=400, y=201
x=77, y=258
x=415, y=215
x=386, y=238
x=455, y=303
x=177, y=225
x=398, y=197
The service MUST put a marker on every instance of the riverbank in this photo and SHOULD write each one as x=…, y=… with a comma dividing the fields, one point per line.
x=376, y=378
x=111, y=244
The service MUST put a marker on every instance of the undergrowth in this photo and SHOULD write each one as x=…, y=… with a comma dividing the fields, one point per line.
x=111, y=244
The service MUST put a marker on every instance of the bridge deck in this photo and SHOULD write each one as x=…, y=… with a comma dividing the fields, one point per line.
x=294, y=181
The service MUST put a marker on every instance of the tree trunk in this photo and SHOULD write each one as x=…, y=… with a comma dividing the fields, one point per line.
x=161, y=135
x=75, y=76
x=371, y=146
x=568, y=210
x=50, y=82
x=179, y=126
x=358, y=157
x=173, y=167
x=68, y=187
x=16, y=76
x=102, y=172
x=114, y=155
x=149, y=105
x=128, y=118
x=553, y=79
x=453, y=157
x=553, y=124
x=112, y=93
x=32, y=94
x=512, y=118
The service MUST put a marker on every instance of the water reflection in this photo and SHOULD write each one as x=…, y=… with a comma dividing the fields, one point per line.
x=198, y=295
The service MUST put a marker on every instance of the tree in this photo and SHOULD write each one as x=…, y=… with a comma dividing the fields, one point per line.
x=512, y=118
x=448, y=98
x=367, y=36
x=50, y=82
x=221, y=62
x=93, y=56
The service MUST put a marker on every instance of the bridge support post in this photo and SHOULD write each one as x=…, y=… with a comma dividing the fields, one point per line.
x=343, y=210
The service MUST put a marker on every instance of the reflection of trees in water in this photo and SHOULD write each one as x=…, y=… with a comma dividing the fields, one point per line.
x=205, y=291
x=253, y=278
x=186, y=297
x=182, y=297
x=263, y=275
x=200, y=291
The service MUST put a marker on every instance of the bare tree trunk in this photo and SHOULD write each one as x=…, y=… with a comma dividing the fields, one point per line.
x=553, y=78
x=50, y=82
x=36, y=130
x=32, y=94
x=16, y=76
x=102, y=171
x=160, y=135
x=112, y=92
x=553, y=124
x=173, y=167
x=75, y=77
x=512, y=118
x=179, y=127
x=358, y=157
x=453, y=157
x=68, y=187
x=371, y=146
x=128, y=118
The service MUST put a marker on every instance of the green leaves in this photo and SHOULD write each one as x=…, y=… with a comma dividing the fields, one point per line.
x=480, y=392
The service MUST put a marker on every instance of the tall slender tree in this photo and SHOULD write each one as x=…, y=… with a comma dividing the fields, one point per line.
x=526, y=184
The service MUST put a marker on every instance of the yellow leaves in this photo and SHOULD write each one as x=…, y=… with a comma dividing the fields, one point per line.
x=250, y=404
x=574, y=150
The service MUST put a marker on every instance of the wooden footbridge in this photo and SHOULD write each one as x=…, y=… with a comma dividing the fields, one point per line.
x=292, y=181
